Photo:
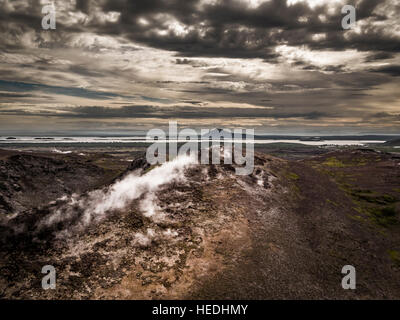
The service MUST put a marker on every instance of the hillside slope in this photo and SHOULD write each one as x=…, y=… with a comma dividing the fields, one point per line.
x=200, y=232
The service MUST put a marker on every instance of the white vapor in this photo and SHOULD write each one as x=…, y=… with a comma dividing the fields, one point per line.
x=82, y=210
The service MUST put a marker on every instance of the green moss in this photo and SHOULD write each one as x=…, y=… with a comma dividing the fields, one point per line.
x=377, y=209
x=377, y=215
x=358, y=209
x=362, y=191
x=360, y=162
x=389, y=199
x=293, y=176
x=296, y=189
x=369, y=196
x=333, y=162
x=332, y=202
x=395, y=256
x=385, y=216
x=357, y=218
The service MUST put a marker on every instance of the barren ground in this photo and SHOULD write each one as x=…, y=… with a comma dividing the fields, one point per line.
x=284, y=232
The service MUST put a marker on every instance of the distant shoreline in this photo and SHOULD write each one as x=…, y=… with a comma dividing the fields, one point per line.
x=141, y=140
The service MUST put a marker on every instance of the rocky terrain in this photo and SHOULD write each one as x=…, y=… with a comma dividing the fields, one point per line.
x=126, y=230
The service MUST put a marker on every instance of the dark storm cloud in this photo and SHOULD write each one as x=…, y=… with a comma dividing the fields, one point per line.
x=183, y=61
x=14, y=95
x=393, y=70
x=386, y=115
x=83, y=6
x=217, y=30
x=13, y=86
x=226, y=28
x=148, y=111
x=333, y=68
x=379, y=56
x=84, y=71
x=231, y=28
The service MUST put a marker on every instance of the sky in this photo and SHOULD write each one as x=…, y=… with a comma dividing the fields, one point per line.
x=275, y=66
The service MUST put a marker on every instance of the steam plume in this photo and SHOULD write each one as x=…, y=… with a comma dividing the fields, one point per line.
x=80, y=211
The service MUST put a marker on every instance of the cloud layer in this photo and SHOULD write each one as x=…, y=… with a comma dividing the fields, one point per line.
x=275, y=65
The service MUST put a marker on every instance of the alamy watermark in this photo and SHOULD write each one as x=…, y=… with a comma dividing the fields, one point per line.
x=349, y=281
x=49, y=20
x=238, y=146
x=49, y=280
x=349, y=20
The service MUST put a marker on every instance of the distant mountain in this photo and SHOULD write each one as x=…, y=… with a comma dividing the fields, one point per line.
x=311, y=139
x=218, y=133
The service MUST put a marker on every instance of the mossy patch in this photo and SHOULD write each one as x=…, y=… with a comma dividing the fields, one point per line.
x=371, y=197
x=378, y=214
x=360, y=162
x=379, y=209
x=292, y=176
x=332, y=202
x=395, y=256
x=384, y=217
x=334, y=162
x=291, y=179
